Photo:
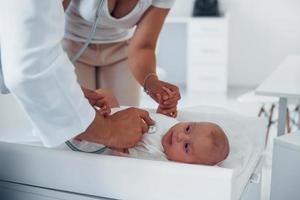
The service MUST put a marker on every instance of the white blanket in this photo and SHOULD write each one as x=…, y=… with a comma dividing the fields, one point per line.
x=246, y=137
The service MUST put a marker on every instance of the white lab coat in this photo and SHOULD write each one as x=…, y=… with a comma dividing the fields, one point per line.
x=37, y=71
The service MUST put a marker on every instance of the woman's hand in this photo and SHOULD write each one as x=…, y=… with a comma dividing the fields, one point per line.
x=165, y=94
x=168, y=109
x=101, y=98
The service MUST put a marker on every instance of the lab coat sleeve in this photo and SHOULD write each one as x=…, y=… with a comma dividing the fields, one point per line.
x=38, y=72
x=3, y=88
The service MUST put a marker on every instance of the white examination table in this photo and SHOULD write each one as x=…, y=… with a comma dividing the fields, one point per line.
x=30, y=171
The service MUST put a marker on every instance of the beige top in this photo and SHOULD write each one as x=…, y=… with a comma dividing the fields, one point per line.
x=80, y=16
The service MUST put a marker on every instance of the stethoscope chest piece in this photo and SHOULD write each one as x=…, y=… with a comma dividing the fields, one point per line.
x=152, y=129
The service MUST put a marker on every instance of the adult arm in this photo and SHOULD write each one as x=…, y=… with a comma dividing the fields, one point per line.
x=38, y=72
x=142, y=58
x=40, y=75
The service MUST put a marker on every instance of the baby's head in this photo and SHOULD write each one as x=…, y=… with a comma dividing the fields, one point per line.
x=196, y=143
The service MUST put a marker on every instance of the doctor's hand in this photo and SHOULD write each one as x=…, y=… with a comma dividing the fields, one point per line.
x=123, y=129
x=165, y=94
x=102, y=98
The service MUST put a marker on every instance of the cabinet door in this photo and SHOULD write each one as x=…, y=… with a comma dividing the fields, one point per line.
x=207, y=55
x=206, y=80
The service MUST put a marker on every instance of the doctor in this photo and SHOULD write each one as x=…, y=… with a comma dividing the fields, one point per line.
x=36, y=71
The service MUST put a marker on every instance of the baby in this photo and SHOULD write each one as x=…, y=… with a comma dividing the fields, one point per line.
x=186, y=142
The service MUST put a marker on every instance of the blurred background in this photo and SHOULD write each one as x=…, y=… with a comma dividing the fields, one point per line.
x=230, y=53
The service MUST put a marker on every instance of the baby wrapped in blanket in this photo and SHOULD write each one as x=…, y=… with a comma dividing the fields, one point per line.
x=187, y=142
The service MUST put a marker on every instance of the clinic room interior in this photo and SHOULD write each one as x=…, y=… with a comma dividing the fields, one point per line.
x=150, y=99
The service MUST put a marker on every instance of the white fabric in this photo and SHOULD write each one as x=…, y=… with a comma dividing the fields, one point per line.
x=37, y=71
x=150, y=147
x=246, y=138
x=80, y=16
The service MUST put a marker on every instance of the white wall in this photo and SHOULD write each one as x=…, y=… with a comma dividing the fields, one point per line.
x=261, y=34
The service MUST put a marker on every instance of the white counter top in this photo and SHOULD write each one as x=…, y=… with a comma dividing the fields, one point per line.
x=284, y=81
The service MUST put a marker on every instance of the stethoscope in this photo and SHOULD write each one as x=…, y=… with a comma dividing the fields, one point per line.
x=74, y=60
x=152, y=129
x=91, y=33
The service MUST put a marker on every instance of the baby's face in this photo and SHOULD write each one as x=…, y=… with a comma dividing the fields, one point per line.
x=192, y=142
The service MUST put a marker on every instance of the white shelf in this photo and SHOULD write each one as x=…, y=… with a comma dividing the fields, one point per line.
x=207, y=55
x=193, y=52
x=284, y=81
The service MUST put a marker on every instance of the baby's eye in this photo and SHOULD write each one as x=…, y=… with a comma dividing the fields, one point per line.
x=187, y=128
x=187, y=147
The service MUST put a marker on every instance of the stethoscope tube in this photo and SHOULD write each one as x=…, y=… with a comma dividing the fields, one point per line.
x=91, y=33
x=72, y=147
x=74, y=60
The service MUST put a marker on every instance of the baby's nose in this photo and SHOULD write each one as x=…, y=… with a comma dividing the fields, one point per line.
x=181, y=136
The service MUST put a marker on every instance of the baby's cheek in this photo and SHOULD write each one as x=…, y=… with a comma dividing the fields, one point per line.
x=173, y=153
x=168, y=152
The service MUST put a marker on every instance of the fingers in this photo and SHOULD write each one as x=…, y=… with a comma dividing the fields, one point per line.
x=166, y=94
x=175, y=92
x=105, y=113
x=100, y=103
x=168, y=91
x=170, y=104
x=171, y=114
x=174, y=95
x=174, y=114
x=170, y=111
x=144, y=126
x=167, y=111
x=159, y=98
x=94, y=95
x=174, y=98
x=165, y=97
x=105, y=109
x=145, y=116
